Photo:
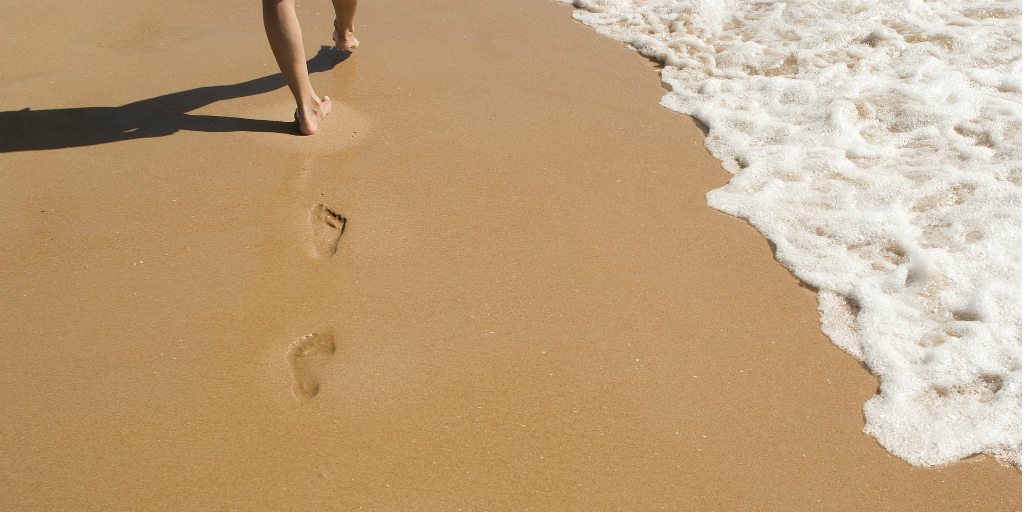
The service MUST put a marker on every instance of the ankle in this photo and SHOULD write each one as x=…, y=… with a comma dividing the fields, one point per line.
x=308, y=103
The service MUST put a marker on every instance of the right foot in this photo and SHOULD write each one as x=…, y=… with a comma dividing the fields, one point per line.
x=309, y=117
x=348, y=42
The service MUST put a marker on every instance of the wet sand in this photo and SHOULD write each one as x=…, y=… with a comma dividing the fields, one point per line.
x=530, y=306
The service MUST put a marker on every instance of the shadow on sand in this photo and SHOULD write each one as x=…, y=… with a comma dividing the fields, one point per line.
x=28, y=130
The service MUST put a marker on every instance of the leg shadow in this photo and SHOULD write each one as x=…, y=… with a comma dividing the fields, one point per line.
x=34, y=130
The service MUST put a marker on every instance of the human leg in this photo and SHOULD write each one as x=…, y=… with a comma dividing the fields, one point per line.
x=344, y=32
x=285, y=39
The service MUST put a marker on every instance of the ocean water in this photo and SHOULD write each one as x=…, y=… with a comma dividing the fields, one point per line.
x=877, y=144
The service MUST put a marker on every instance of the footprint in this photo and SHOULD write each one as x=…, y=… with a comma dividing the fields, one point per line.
x=327, y=229
x=307, y=357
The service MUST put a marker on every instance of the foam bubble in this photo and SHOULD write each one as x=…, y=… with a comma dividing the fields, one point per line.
x=877, y=143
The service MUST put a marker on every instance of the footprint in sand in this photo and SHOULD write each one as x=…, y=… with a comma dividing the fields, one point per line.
x=327, y=229
x=307, y=357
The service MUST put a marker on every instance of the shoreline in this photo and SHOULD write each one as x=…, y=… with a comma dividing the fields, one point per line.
x=531, y=303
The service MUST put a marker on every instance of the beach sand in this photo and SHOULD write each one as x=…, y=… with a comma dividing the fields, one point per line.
x=530, y=307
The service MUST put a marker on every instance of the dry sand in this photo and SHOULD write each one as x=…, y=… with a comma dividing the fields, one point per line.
x=531, y=307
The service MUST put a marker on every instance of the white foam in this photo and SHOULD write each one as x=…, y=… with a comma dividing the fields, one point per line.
x=877, y=143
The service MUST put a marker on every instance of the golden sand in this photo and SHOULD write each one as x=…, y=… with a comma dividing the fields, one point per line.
x=529, y=306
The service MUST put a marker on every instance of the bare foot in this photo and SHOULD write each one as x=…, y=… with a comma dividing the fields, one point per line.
x=309, y=117
x=349, y=42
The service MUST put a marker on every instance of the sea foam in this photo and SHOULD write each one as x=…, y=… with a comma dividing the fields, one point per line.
x=877, y=144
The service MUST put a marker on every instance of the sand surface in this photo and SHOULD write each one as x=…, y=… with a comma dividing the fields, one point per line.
x=530, y=307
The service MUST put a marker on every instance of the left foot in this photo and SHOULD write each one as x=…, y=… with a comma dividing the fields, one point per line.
x=310, y=116
x=307, y=357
